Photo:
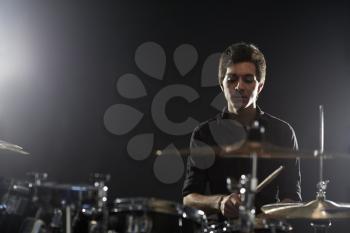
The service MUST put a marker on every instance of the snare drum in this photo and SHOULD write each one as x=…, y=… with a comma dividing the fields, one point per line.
x=145, y=215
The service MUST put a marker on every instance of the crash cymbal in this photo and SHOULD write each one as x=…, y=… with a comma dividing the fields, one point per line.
x=318, y=209
x=7, y=146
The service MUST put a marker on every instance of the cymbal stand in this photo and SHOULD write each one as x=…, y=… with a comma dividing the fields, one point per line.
x=60, y=217
x=321, y=226
x=99, y=180
x=247, y=189
x=248, y=183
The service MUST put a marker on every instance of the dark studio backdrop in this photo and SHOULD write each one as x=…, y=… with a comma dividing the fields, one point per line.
x=99, y=86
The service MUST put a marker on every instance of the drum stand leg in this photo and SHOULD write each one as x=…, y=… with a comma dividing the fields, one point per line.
x=67, y=220
x=62, y=219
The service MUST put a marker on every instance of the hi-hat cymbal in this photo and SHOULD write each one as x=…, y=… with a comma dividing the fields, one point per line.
x=7, y=146
x=318, y=209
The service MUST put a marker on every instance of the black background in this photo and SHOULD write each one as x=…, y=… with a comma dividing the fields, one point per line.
x=68, y=55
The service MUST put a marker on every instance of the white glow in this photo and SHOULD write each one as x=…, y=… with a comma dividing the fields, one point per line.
x=16, y=57
x=18, y=46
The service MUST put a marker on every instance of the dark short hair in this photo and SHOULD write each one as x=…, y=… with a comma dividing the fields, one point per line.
x=242, y=52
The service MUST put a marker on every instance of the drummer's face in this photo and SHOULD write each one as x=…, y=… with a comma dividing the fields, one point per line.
x=240, y=86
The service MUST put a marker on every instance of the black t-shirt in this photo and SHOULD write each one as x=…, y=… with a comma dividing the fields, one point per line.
x=208, y=174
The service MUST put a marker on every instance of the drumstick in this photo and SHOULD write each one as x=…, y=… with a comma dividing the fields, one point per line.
x=268, y=179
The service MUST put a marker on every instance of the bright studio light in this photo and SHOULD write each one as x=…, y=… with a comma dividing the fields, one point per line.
x=18, y=50
x=16, y=57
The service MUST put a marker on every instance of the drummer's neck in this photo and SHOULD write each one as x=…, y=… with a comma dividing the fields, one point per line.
x=245, y=116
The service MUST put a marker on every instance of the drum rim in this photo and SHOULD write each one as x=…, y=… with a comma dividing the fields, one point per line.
x=66, y=187
x=158, y=206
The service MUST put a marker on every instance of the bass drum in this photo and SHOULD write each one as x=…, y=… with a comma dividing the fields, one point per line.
x=145, y=215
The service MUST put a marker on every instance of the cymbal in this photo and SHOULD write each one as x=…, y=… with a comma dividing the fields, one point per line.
x=7, y=146
x=264, y=150
x=318, y=209
x=245, y=149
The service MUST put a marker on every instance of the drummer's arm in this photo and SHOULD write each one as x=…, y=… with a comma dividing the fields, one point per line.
x=227, y=205
x=210, y=204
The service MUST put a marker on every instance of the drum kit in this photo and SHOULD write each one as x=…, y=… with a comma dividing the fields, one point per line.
x=39, y=206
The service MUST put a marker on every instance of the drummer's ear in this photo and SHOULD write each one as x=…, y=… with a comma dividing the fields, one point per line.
x=261, y=86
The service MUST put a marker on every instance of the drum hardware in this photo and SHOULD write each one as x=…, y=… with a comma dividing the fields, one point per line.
x=260, y=223
x=318, y=209
x=99, y=180
x=277, y=225
x=247, y=209
x=44, y=206
x=248, y=184
x=150, y=215
x=321, y=226
x=17, y=199
x=15, y=206
x=254, y=143
x=32, y=225
x=263, y=150
x=2, y=209
x=69, y=208
x=321, y=211
x=248, y=188
x=37, y=178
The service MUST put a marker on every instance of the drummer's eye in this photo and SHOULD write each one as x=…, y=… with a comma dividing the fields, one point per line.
x=249, y=78
x=231, y=78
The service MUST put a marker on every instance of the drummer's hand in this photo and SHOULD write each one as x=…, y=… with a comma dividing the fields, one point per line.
x=229, y=206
